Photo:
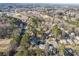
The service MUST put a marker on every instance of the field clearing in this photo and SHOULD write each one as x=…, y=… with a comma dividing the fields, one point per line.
x=5, y=45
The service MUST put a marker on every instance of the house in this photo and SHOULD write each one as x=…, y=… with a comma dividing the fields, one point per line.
x=77, y=37
x=63, y=41
x=72, y=35
x=69, y=41
x=42, y=46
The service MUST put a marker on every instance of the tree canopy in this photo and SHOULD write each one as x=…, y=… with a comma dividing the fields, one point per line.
x=56, y=31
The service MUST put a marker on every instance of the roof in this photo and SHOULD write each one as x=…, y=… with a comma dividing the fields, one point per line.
x=41, y=46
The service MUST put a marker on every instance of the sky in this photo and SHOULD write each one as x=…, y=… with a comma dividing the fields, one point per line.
x=39, y=1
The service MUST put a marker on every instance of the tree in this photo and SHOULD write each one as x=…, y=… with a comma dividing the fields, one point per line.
x=23, y=44
x=23, y=52
x=35, y=24
x=25, y=39
x=39, y=52
x=16, y=37
x=56, y=31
